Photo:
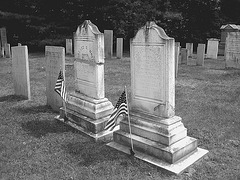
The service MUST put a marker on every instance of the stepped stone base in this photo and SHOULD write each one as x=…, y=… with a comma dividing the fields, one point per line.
x=176, y=168
x=87, y=115
x=164, y=139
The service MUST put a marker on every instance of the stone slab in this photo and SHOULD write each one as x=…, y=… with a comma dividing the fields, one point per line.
x=200, y=54
x=184, y=56
x=55, y=60
x=119, y=48
x=189, y=47
x=108, y=43
x=20, y=71
x=176, y=168
x=103, y=136
x=212, y=48
x=69, y=45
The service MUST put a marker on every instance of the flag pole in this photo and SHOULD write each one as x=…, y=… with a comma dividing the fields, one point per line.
x=129, y=124
x=64, y=103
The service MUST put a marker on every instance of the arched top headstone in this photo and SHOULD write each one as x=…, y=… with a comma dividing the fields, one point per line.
x=157, y=33
x=152, y=71
x=89, y=43
x=87, y=28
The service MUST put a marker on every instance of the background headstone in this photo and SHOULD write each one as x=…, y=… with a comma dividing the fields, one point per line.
x=108, y=43
x=8, y=51
x=200, y=54
x=177, y=55
x=212, y=48
x=232, y=50
x=20, y=71
x=184, y=56
x=189, y=47
x=55, y=60
x=19, y=44
x=119, y=48
x=69, y=46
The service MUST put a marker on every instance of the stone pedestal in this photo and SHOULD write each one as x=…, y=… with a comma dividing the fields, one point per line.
x=158, y=135
x=87, y=109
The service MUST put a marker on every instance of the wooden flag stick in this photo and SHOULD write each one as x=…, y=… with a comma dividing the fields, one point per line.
x=129, y=124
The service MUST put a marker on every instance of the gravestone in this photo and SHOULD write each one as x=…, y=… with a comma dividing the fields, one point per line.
x=232, y=50
x=108, y=43
x=177, y=55
x=19, y=44
x=189, y=47
x=200, y=54
x=212, y=48
x=55, y=60
x=177, y=44
x=20, y=71
x=119, y=48
x=8, y=51
x=69, y=46
x=3, y=36
x=158, y=135
x=184, y=56
x=87, y=108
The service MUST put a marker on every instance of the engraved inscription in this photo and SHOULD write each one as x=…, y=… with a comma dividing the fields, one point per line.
x=85, y=51
x=148, y=72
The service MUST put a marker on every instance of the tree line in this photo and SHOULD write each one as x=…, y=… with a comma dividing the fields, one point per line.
x=41, y=22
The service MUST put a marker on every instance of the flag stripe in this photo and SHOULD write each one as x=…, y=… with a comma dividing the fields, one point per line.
x=120, y=109
x=60, y=87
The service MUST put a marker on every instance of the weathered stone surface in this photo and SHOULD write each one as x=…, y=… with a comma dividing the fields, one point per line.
x=119, y=48
x=20, y=71
x=232, y=50
x=69, y=46
x=55, y=60
x=200, y=54
x=212, y=48
x=7, y=51
x=189, y=47
x=177, y=57
x=184, y=56
x=108, y=43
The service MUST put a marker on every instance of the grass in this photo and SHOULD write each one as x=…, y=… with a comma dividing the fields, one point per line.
x=34, y=146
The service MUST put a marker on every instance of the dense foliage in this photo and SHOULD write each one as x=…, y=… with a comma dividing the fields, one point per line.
x=40, y=22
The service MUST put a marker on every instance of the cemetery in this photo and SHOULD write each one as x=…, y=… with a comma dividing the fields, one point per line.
x=101, y=105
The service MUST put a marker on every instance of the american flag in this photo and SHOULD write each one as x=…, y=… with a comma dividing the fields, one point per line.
x=120, y=108
x=60, y=86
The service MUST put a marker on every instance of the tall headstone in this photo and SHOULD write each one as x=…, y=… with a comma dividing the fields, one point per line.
x=184, y=56
x=200, y=54
x=69, y=46
x=87, y=108
x=119, y=48
x=177, y=55
x=212, y=48
x=108, y=43
x=189, y=47
x=158, y=135
x=55, y=60
x=232, y=50
x=20, y=71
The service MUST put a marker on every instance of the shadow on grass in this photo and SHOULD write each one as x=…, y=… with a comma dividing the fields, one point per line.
x=12, y=98
x=39, y=129
x=35, y=109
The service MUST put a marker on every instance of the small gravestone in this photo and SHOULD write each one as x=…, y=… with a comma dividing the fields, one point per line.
x=19, y=44
x=158, y=135
x=8, y=51
x=108, y=43
x=189, y=47
x=232, y=50
x=184, y=56
x=69, y=46
x=177, y=55
x=119, y=48
x=212, y=48
x=20, y=71
x=55, y=60
x=3, y=33
x=200, y=54
x=87, y=106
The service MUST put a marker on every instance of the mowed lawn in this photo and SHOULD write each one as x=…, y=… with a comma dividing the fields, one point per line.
x=34, y=146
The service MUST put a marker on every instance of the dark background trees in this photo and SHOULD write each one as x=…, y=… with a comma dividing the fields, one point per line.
x=40, y=22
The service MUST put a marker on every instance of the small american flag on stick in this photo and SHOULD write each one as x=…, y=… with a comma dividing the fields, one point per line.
x=60, y=86
x=120, y=108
